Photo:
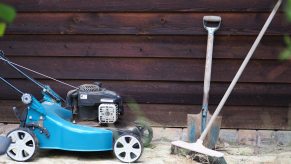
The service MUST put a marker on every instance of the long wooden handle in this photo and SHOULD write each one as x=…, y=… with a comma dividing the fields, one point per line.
x=207, y=77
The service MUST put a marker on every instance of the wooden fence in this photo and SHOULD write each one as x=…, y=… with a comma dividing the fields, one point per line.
x=153, y=51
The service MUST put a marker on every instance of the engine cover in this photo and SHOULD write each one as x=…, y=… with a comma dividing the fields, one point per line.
x=107, y=113
x=92, y=102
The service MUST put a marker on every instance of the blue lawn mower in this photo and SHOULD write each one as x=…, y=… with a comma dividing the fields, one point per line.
x=45, y=124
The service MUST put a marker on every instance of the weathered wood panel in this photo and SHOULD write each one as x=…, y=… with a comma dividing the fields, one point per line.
x=194, y=47
x=154, y=52
x=241, y=117
x=137, y=6
x=159, y=69
x=245, y=94
x=143, y=23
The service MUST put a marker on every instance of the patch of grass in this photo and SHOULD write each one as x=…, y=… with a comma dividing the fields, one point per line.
x=286, y=53
x=2, y=29
x=288, y=9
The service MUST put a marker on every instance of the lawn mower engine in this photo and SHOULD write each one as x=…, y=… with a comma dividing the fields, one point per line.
x=91, y=102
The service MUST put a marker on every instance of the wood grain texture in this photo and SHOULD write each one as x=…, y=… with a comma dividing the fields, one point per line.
x=194, y=47
x=154, y=52
x=141, y=6
x=242, y=117
x=151, y=69
x=250, y=94
x=143, y=23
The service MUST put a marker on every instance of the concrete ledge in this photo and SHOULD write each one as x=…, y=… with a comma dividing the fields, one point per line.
x=228, y=135
x=4, y=129
x=260, y=138
x=167, y=134
x=266, y=138
x=247, y=137
x=283, y=138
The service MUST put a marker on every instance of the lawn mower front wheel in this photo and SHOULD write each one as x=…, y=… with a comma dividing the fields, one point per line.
x=24, y=145
x=128, y=147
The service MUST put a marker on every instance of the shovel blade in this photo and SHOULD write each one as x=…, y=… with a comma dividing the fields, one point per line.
x=194, y=129
x=194, y=126
x=213, y=135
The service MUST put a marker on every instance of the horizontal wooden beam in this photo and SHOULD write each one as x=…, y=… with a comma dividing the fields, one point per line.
x=144, y=23
x=194, y=47
x=244, y=94
x=240, y=117
x=151, y=69
x=141, y=6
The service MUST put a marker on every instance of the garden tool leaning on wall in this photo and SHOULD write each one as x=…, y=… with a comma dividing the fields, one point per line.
x=197, y=122
x=198, y=147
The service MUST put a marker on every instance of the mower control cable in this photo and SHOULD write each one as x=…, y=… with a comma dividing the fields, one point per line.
x=12, y=86
x=41, y=74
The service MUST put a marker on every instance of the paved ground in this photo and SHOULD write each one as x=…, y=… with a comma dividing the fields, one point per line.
x=249, y=154
x=159, y=153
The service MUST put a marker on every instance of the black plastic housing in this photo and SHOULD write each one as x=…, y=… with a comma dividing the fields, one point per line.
x=88, y=98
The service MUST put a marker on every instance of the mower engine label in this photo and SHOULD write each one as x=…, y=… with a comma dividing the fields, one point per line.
x=83, y=97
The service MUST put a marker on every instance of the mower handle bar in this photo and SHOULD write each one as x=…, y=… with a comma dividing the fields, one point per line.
x=44, y=88
x=5, y=59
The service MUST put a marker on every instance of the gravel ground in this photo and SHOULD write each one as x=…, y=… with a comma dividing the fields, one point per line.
x=159, y=153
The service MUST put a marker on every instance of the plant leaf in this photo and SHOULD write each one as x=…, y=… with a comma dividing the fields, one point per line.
x=7, y=13
x=2, y=29
x=288, y=10
x=287, y=40
x=285, y=55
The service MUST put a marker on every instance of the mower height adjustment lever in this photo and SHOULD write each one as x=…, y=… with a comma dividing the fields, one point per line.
x=41, y=129
x=20, y=116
